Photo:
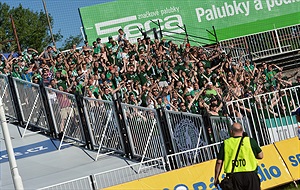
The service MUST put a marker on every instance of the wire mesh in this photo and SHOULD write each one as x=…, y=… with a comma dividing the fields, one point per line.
x=103, y=125
x=64, y=111
x=144, y=131
x=7, y=99
x=187, y=130
x=31, y=103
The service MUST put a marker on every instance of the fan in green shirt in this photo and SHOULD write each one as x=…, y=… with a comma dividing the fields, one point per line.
x=16, y=72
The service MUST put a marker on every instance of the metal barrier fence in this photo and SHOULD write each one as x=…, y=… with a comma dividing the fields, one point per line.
x=269, y=115
x=31, y=104
x=144, y=131
x=6, y=96
x=220, y=126
x=266, y=43
x=103, y=125
x=187, y=130
x=130, y=173
x=76, y=184
x=64, y=112
x=193, y=156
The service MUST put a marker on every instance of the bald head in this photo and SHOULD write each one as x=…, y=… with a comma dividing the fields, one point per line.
x=237, y=129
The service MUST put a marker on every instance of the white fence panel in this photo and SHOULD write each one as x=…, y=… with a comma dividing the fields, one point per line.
x=130, y=173
x=76, y=184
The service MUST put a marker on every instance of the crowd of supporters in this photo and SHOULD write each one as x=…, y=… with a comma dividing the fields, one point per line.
x=149, y=73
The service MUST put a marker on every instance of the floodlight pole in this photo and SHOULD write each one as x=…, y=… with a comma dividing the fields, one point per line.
x=17, y=180
x=82, y=33
x=46, y=11
x=15, y=33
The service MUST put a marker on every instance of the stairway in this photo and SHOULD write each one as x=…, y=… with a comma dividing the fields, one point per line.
x=288, y=60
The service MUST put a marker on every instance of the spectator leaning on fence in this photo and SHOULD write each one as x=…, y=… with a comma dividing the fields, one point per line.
x=149, y=73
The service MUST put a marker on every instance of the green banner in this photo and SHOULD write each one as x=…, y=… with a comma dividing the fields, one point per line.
x=230, y=18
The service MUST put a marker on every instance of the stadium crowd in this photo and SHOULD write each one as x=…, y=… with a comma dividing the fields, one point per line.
x=150, y=73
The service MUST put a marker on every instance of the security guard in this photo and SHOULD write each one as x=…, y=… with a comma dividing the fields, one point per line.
x=244, y=175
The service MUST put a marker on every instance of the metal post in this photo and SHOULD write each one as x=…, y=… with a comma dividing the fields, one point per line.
x=123, y=128
x=17, y=180
x=16, y=99
x=278, y=40
x=48, y=110
x=215, y=34
x=83, y=119
x=187, y=39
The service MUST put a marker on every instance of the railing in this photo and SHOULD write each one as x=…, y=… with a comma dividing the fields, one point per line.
x=269, y=115
x=220, y=126
x=130, y=173
x=193, y=156
x=265, y=44
x=75, y=184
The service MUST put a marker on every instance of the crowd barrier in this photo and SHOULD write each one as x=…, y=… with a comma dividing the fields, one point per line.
x=187, y=130
x=65, y=116
x=31, y=105
x=146, y=133
x=103, y=126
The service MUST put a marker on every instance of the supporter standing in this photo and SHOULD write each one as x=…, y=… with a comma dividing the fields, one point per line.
x=297, y=114
x=244, y=174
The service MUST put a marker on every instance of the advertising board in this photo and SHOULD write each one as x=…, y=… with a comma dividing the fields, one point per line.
x=230, y=18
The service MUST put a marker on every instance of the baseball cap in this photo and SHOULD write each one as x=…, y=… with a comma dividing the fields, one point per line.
x=297, y=112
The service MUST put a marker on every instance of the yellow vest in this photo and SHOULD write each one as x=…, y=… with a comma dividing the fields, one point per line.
x=246, y=161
